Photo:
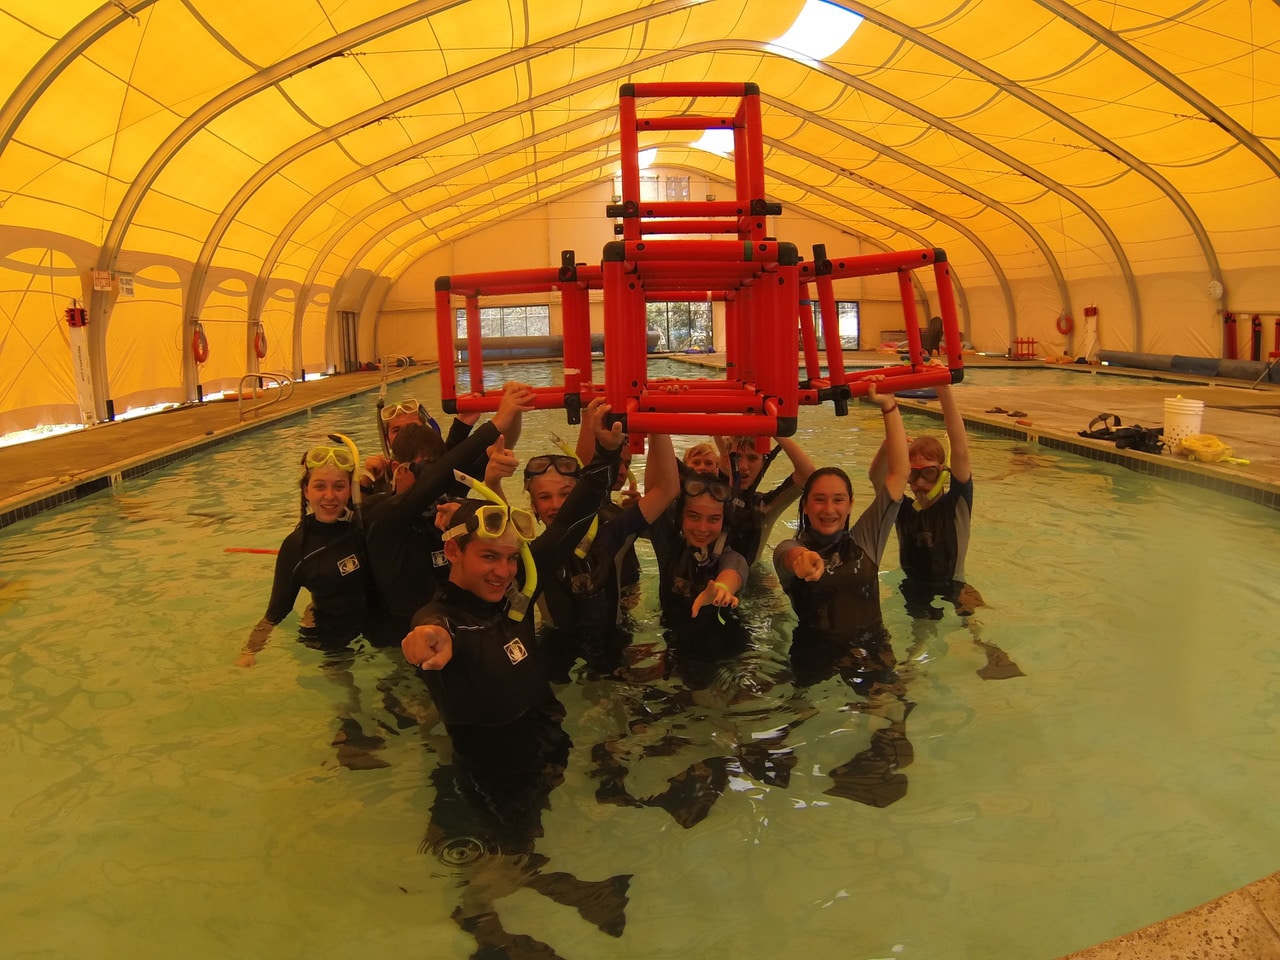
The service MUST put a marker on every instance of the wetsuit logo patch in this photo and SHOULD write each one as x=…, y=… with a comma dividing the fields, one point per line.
x=348, y=564
x=516, y=651
x=438, y=559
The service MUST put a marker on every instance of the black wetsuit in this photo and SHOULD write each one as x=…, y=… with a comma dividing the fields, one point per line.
x=716, y=633
x=841, y=632
x=754, y=515
x=841, y=609
x=494, y=679
x=583, y=598
x=932, y=545
x=406, y=551
x=329, y=560
x=458, y=431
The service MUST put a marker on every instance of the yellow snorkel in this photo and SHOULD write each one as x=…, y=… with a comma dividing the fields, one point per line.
x=519, y=600
x=584, y=545
x=350, y=444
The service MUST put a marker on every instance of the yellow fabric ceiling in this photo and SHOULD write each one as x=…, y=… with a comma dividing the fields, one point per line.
x=1069, y=147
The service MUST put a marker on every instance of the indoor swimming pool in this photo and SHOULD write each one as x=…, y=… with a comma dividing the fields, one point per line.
x=1089, y=752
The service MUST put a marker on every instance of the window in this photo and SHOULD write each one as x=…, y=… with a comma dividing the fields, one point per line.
x=847, y=315
x=526, y=321
x=677, y=188
x=681, y=326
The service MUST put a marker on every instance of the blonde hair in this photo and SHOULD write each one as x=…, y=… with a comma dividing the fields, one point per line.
x=701, y=449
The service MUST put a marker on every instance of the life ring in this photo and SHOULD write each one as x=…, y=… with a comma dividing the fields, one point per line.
x=199, y=345
x=1065, y=324
x=260, y=343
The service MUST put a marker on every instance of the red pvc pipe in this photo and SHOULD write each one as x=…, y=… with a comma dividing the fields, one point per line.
x=694, y=208
x=808, y=336
x=830, y=328
x=910, y=317
x=688, y=88
x=444, y=344
x=950, y=320
x=874, y=263
x=686, y=122
x=475, y=362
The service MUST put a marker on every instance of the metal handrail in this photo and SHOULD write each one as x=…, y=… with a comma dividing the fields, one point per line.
x=282, y=383
x=399, y=359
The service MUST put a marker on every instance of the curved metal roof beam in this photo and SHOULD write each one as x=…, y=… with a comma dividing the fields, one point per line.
x=49, y=67
x=923, y=241
x=1036, y=102
x=383, y=110
x=375, y=238
x=1126, y=51
x=335, y=46
x=657, y=60
x=317, y=200
x=951, y=129
x=1028, y=171
x=363, y=215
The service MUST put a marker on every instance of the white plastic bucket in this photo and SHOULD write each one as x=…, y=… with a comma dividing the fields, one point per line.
x=1181, y=419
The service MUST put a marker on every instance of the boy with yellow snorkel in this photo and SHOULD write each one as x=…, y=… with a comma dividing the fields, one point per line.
x=934, y=522
x=475, y=641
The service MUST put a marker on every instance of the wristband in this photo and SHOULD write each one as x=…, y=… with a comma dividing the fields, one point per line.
x=888, y=410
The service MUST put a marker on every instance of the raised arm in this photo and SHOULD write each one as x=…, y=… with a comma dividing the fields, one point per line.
x=897, y=464
x=661, y=477
x=594, y=482
x=801, y=465
x=957, y=438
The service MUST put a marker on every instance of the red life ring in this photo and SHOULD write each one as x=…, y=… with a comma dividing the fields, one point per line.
x=260, y=343
x=1065, y=324
x=199, y=345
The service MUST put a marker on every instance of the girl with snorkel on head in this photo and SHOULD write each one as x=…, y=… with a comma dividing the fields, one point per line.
x=325, y=553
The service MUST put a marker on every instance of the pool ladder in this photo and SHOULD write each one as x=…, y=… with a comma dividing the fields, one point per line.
x=251, y=383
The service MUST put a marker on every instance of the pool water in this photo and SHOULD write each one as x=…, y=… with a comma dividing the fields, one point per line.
x=1091, y=751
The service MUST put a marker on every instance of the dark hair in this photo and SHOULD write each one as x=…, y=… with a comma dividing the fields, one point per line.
x=417, y=440
x=465, y=514
x=814, y=478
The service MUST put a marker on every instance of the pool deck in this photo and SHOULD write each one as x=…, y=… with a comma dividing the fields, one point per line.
x=45, y=473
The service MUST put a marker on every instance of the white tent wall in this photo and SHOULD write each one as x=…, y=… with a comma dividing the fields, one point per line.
x=312, y=336
x=145, y=342
x=277, y=324
x=223, y=317
x=37, y=384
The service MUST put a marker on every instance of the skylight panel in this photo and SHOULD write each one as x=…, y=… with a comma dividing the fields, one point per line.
x=820, y=30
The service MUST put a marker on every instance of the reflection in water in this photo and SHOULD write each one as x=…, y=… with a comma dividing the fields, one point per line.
x=486, y=815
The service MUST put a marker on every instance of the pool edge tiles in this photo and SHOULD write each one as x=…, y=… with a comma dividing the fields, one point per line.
x=1210, y=477
x=72, y=485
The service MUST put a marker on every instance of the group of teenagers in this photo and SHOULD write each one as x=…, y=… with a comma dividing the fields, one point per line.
x=422, y=547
